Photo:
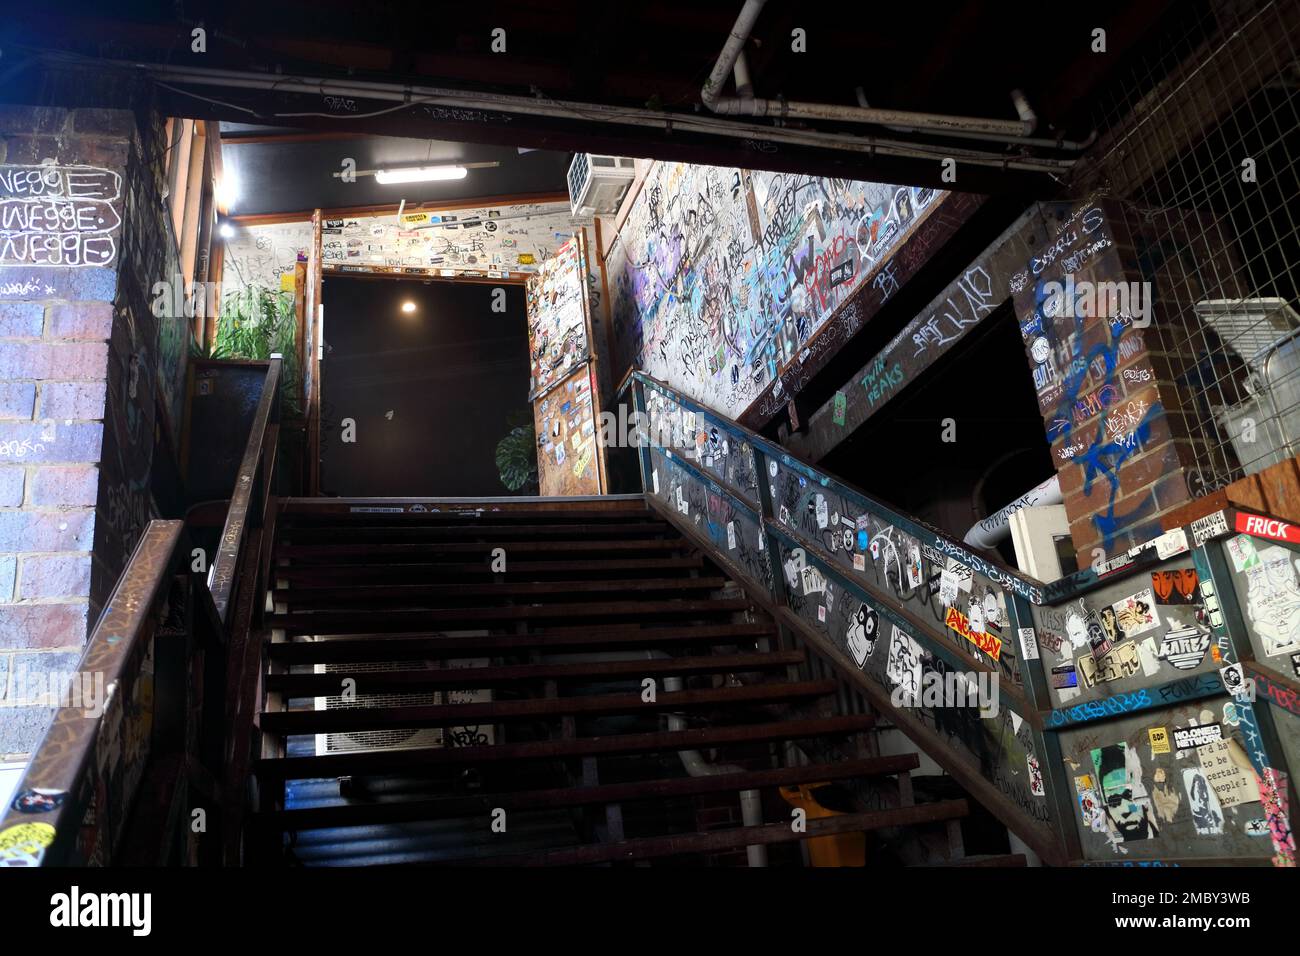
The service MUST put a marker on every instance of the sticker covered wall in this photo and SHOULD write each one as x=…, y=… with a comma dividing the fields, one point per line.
x=1170, y=783
x=721, y=277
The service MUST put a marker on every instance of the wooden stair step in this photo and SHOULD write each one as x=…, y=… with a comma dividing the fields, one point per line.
x=476, y=678
x=451, y=532
x=327, y=595
x=400, y=811
x=515, y=570
x=336, y=622
x=343, y=509
x=323, y=551
x=354, y=719
x=714, y=841
x=396, y=647
x=393, y=761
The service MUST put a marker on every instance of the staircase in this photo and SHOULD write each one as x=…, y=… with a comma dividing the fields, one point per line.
x=428, y=699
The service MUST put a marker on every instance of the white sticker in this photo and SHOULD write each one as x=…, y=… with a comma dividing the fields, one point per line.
x=1150, y=657
x=772, y=468
x=1242, y=551
x=859, y=563
x=822, y=516
x=913, y=566
x=655, y=476
x=903, y=669
x=821, y=613
x=1028, y=643
x=1205, y=528
x=731, y=536
x=1171, y=543
x=948, y=588
x=1035, y=776
x=812, y=580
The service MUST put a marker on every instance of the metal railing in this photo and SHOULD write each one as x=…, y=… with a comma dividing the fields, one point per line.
x=838, y=569
x=128, y=704
x=843, y=573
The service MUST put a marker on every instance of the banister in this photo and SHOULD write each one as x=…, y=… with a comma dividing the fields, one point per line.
x=226, y=561
x=60, y=766
x=1028, y=587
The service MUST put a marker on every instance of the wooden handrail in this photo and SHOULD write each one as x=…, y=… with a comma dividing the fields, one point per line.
x=57, y=771
x=226, y=561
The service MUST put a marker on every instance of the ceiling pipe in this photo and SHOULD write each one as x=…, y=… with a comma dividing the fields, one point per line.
x=433, y=96
x=1060, y=142
x=744, y=86
x=712, y=96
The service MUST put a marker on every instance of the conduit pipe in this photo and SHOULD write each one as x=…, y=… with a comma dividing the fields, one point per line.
x=758, y=106
x=408, y=95
x=1075, y=146
x=987, y=532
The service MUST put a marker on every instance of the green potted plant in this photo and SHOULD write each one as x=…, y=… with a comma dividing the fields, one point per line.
x=255, y=323
x=517, y=454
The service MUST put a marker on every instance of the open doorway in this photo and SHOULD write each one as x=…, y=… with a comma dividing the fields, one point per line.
x=402, y=269
x=420, y=380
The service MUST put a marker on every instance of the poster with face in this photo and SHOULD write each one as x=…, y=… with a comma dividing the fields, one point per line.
x=904, y=666
x=1207, y=815
x=1136, y=614
x=1273, y=601
x=863, y=630
x=1175, y=587
x=1123, y=794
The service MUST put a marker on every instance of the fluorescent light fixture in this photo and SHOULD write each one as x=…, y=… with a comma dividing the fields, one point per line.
x=419, y=174
x=408, y=306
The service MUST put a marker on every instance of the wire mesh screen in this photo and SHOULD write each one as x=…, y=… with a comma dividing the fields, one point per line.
x=1201, y=147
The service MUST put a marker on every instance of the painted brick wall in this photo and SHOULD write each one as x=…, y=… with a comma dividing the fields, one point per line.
x=1106, y=383
x=79, y=360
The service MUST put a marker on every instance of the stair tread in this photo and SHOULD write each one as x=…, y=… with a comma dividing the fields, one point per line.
x=361, y=814
x=712, y=841
x=398, y=646
x=459, y=547
x=369, y=682
x=355, y=719
x=349, y=572
x=385, y=761
x=502, y=588
x=328, y=620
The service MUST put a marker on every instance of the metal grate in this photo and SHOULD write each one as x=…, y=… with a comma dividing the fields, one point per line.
x=1219, y=89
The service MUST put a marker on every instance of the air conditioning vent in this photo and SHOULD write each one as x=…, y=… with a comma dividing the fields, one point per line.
x=597, y=183
x=397, y=738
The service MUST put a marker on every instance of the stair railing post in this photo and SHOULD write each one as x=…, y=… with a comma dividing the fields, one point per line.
x=1047, y=742
x=643, y=432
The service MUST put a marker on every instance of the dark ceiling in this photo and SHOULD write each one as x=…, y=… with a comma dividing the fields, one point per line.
x=287, y=171
x=958, y=58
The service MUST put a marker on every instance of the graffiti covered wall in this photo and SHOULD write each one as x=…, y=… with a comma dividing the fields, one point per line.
x=721, y=277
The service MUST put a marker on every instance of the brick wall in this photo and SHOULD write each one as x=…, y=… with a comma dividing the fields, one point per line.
x=79, y=358
x=1106, y=382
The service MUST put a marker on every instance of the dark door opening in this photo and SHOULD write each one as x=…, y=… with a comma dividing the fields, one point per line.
x=428, y=375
